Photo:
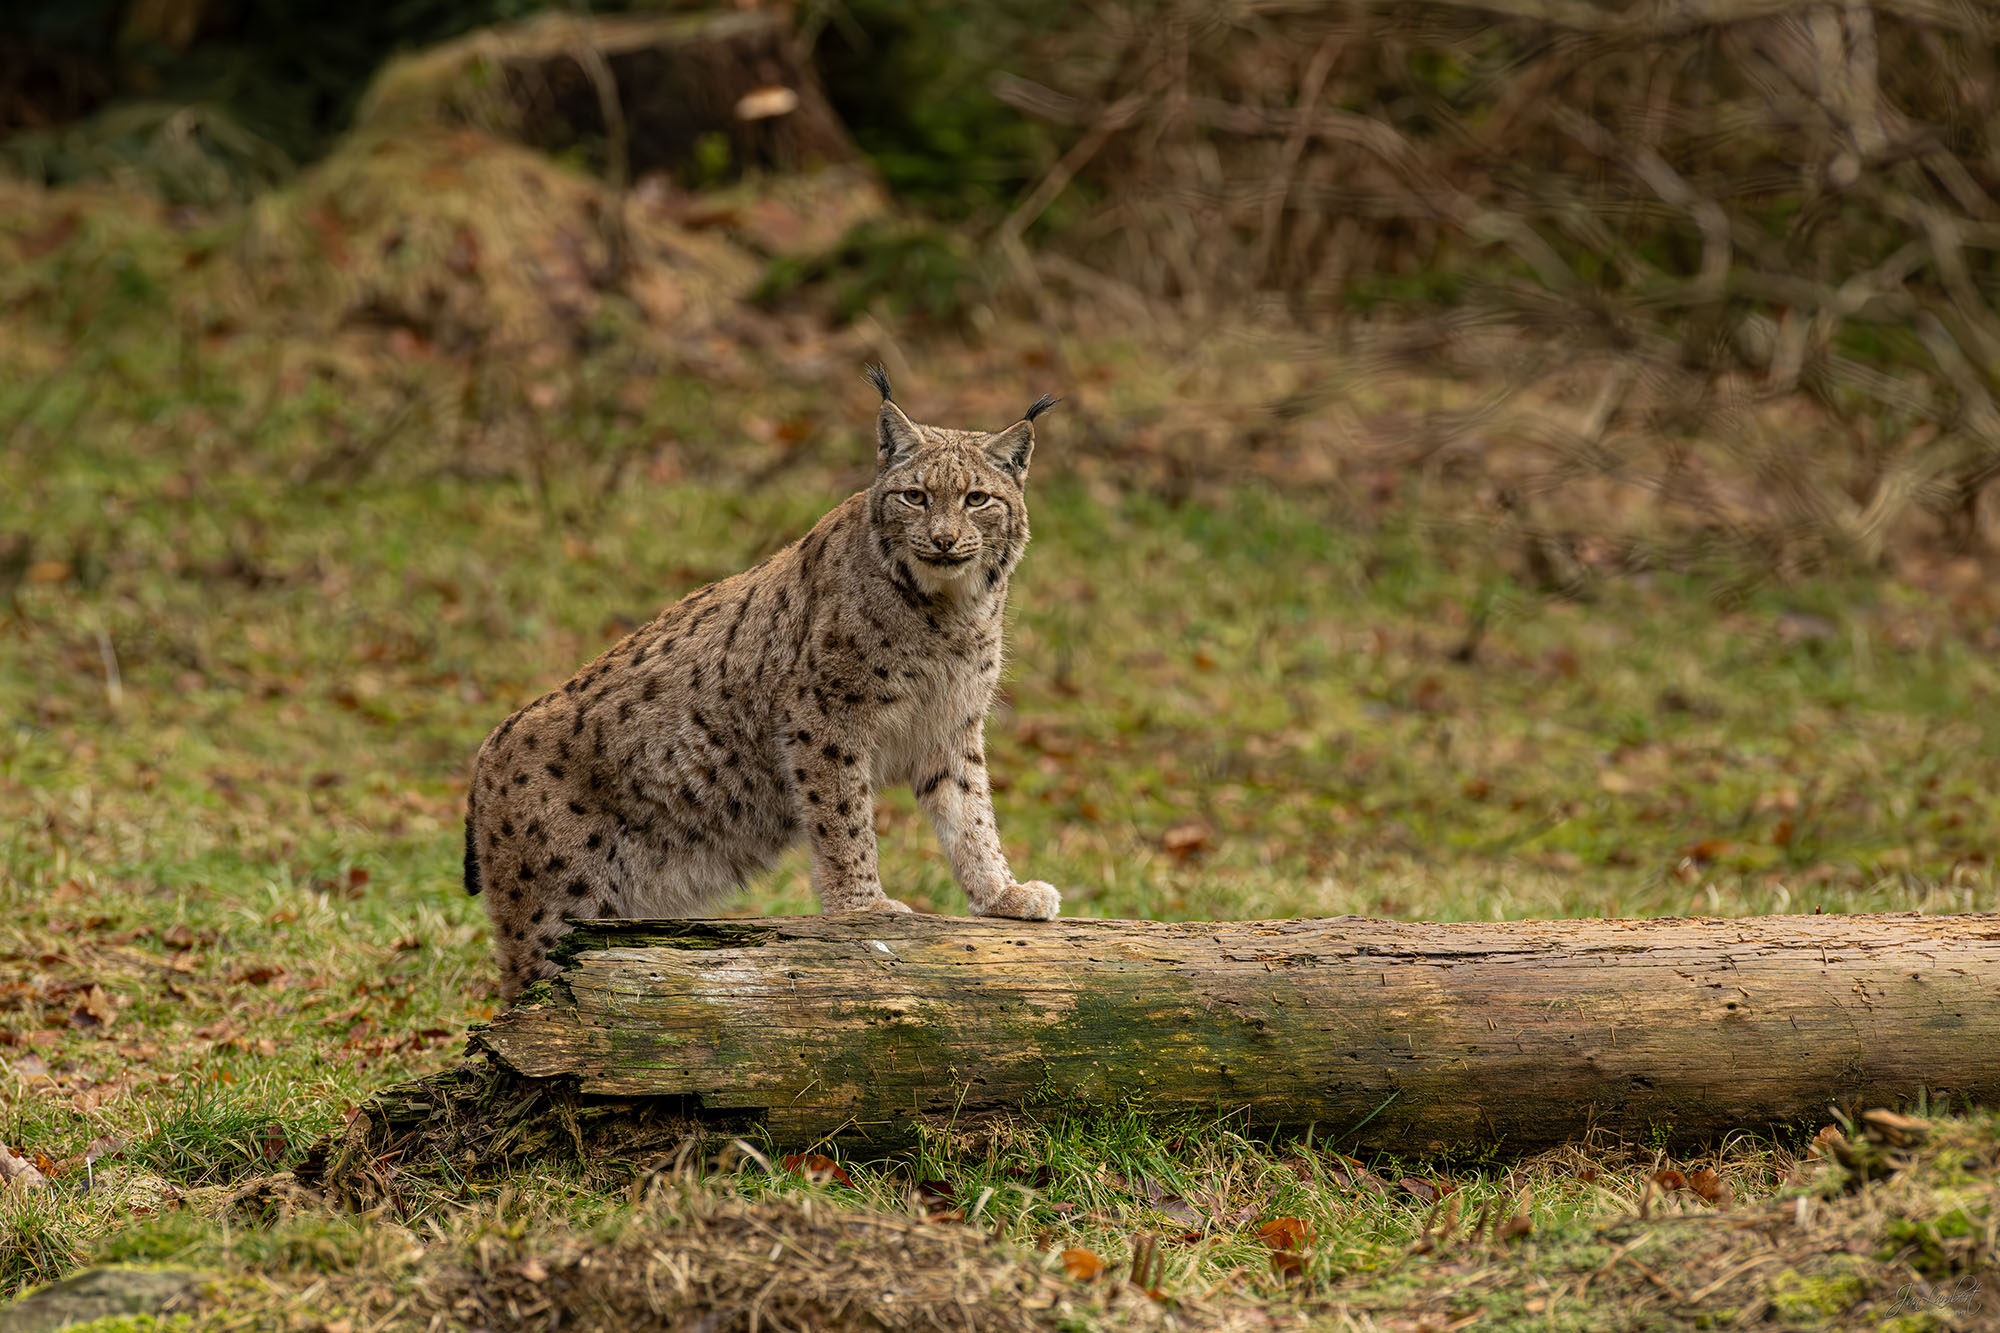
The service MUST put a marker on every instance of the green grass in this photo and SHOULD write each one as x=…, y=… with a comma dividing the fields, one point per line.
x=239, y=694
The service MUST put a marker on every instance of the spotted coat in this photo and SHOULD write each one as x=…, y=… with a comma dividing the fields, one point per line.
x=768, y=708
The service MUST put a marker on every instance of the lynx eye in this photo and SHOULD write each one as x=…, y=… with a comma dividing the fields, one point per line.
x=915, y=497
x=974, y=499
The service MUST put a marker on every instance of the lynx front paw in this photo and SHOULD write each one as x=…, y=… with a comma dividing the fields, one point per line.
x=873, y=905
x=1033, y=901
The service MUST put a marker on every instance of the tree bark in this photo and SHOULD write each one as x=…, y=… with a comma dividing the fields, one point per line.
x=1432, y=1038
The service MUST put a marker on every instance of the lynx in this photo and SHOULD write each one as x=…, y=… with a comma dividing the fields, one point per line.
x=768, y=708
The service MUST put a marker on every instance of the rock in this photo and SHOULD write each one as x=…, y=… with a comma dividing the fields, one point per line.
x=100, y=1293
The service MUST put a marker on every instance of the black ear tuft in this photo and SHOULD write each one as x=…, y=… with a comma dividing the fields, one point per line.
x=1042, y=404
x=880, y=379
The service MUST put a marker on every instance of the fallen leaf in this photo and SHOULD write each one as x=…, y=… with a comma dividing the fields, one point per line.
x=938, y=1201
x=96, y=1095
x=178, y=936
x=1670, y=1179
x=1709, y=1186
x=1707, y=851
x=1515, y=1227
x=18, y=1172
x=1287, y=1263
x=1183, y=841
x=531, y=1269
x=1897, y=1130
x=93, y=1012
x=274, y=1143
x=1420, y=1188
x=1285, y=1233
x=258, y=974
x=817, y=1167
x=1081, y=1264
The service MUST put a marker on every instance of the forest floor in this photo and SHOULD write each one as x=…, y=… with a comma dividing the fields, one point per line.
x=253, y=625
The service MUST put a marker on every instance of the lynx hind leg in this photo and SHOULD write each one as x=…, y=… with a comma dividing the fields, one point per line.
x=1032, y=901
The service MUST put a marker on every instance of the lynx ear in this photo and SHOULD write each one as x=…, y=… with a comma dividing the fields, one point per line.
x=896, y=438
x=1009, y=449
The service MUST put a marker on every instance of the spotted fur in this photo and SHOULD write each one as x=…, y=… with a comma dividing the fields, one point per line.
x=767, y=708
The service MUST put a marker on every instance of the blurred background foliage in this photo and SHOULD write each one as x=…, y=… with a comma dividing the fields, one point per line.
x=1675, y=253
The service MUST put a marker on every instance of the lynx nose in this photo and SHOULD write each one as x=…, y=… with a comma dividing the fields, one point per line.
x=944, y=541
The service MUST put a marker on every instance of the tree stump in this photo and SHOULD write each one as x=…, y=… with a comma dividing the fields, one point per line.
x=701, y=96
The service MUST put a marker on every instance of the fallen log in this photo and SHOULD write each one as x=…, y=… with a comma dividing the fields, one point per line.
x=1439, y=1038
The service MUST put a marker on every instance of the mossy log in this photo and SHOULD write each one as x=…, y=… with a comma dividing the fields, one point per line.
x=1439, y=1038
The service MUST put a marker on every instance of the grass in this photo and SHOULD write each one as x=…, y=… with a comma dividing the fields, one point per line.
x=240, y=685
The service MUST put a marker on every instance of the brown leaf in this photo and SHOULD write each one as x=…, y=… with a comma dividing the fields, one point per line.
x=817, y=1167
x=939, y=1201
x=97, y=1094
x=1183, y=841
x=257, y=974
x=1670, y=1179
x=1287, y=1263
x=1515, y=1227
x=1039, y=735
x=1707, y=851
x=1897, y=1130
x=18, y=1171
x=1178, y=1209
x=178, y=936
x=1081, y=1264
x=93, y=1012
x=1285, y=1233
x=274, y=1143
x=1709, y=1186
x=1422, y=1189
x=531, y=1268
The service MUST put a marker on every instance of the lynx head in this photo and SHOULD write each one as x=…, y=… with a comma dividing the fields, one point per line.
x=948, y=507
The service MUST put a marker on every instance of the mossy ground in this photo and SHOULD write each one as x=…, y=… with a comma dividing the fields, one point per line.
x=259, y=608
